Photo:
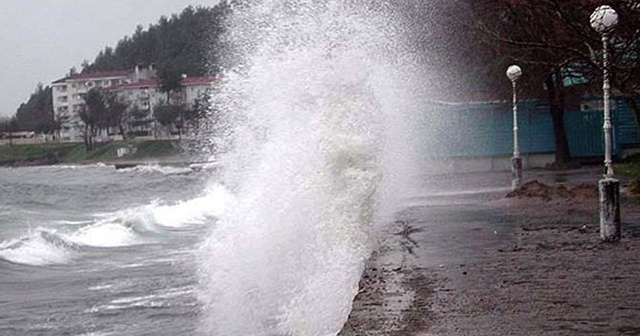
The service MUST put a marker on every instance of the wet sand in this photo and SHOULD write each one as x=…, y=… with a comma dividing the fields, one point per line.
x=476, y=263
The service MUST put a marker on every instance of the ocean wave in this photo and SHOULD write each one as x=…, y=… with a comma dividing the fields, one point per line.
x=79, y=166
x=159, y=299
x=154, y=168
x=136, y=225
x=156, y=217
x=194, y=211
x=105, y=235
x=39, y=248
x=127, y=227
x=205, y=166
x=73, y=222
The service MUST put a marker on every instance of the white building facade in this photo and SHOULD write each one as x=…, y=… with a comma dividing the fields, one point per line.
x=139, y=88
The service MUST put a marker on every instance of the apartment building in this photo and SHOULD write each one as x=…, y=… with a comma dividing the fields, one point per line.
x=145, y=95
x=139, y=87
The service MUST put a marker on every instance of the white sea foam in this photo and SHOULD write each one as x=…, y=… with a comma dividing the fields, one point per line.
x=194, y=211
x=316, y=149
x=99, y=333
x=158, y=299
x=105, y=235
x=155, y=168
x=100, y=287
x=74, y=167
x=73, y=222
x=39, y=248
x=130, y=226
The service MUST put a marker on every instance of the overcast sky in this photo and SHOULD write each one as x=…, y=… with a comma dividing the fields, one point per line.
x=40, y=40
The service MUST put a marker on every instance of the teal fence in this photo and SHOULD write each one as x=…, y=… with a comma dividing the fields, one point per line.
x=486, y=129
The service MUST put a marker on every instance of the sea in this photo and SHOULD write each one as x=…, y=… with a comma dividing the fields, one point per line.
x=92, y=250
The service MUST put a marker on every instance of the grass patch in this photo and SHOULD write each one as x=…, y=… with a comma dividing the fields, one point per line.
x=75, y=152
x=32, y=152
x=156, y=149
x=631, y=168
x=145, y=149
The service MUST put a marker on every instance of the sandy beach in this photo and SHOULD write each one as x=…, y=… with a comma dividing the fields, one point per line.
x=474, y=262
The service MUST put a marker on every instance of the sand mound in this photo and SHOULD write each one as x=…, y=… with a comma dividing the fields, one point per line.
x=537, y=189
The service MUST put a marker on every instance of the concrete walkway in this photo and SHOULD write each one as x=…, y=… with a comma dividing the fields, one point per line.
x=461, y=259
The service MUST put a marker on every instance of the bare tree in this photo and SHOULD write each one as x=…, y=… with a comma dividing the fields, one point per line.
x=554, y=40
x=117, y=113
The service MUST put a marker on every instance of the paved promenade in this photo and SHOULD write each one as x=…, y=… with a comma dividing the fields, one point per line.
x=462, y=259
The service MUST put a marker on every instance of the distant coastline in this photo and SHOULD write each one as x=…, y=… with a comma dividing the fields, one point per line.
x=53, y=153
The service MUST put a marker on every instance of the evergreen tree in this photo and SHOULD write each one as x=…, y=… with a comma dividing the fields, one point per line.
x=37, y=113
x=176, y=45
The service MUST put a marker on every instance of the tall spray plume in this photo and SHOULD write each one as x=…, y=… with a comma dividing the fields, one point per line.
x=315, y=138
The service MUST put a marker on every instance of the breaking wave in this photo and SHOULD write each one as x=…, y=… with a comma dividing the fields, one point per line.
x=133, y=226
x=316, y=148
x=39, y=248
x=154, y=168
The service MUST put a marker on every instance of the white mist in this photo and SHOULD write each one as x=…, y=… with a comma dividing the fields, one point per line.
x=317, y=149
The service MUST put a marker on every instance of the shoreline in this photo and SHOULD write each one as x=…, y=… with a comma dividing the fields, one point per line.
x=163, y=152
x=120, y=164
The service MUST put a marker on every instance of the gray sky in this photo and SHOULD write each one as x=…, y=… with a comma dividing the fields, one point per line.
x=40, y=40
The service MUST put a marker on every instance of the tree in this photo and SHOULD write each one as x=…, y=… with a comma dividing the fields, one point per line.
x=555, y=42
x=37, y=113
x=87, y=127
x=139, y=118
x=60, y=122
x=170, y=82
x=176, y=45
x=9, y=125
x=93, y=115
x=13, y=127
x=171, y=115
x=116, y=113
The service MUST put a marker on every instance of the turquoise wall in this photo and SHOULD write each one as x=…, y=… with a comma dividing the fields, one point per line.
x=485, y=129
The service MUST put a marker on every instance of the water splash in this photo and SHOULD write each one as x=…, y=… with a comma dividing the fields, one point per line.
x=317, y=147
x=39, y=248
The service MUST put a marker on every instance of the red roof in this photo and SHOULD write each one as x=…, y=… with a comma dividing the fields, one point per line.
x=99, y=74
x=103, y=74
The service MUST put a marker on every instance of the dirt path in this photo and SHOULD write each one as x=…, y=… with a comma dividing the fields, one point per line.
x=475, y=263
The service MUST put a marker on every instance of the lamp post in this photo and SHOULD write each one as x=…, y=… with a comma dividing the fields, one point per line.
x=603, y=20
x=513, y=73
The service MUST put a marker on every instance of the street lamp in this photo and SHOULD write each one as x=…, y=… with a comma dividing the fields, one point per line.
x=603, y=20
x=513, y=73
